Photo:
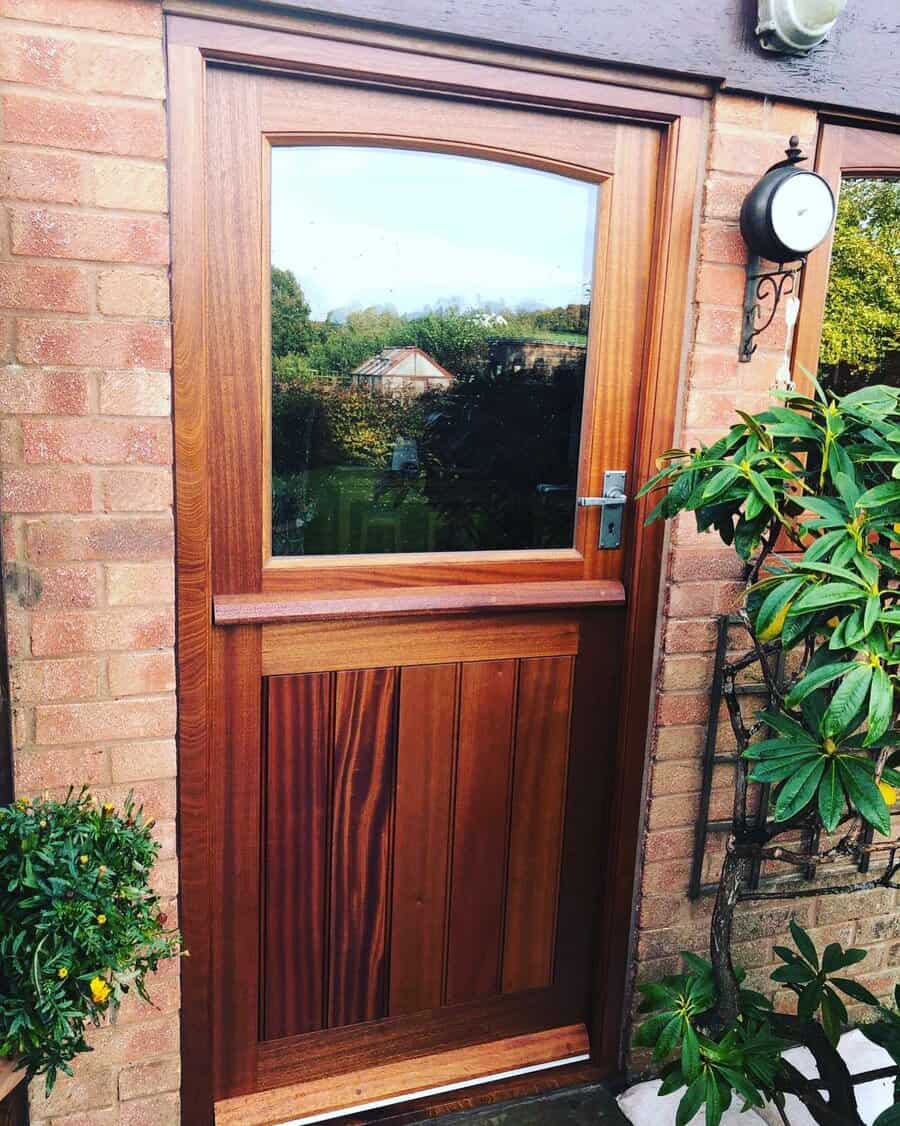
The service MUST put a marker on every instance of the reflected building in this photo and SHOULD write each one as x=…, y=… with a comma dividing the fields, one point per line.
x=401, y=371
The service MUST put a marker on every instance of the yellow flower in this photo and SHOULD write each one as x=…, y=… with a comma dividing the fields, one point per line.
x=108, y=808
x=829, y=746
x=62, y=973
x=83, y=859
x=101, y=919
x=833, y=622
x=99, y=990
x=888, y=793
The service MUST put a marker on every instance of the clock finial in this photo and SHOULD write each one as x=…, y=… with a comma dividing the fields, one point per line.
x=793, y=152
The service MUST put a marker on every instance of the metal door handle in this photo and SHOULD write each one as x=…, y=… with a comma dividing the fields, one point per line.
x=614, y=498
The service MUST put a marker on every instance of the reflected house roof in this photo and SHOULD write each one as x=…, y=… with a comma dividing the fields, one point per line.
x=406, y=365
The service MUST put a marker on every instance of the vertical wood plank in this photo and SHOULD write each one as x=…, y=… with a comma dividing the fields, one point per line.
x=235, y=800
x=426, y=745
x=234, y=295
x=480, y=830
x=362, y=813
x=298, y=759
x=539, y=785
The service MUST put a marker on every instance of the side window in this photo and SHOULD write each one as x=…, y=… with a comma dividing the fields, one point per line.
x=861, y=327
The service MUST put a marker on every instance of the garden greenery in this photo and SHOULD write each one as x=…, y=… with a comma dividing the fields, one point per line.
x=79, y=924
x=819, y=477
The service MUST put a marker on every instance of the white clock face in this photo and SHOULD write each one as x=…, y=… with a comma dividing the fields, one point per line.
x=802, y=211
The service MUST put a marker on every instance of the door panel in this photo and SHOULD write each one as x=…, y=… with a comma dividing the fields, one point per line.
x=404, y=798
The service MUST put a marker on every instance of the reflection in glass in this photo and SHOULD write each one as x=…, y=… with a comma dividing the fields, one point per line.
x=429, y=332
x=861, y=329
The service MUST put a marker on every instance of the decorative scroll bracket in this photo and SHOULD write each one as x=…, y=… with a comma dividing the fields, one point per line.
x=763, y=293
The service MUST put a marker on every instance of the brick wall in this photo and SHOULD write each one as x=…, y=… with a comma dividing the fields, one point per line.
x=86, y=460
x=748, y=135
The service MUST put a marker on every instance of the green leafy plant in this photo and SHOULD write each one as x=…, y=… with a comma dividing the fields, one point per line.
x=80, y=925
x=808, y=495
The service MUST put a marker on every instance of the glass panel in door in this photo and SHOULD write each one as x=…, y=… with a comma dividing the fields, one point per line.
x=429, y=337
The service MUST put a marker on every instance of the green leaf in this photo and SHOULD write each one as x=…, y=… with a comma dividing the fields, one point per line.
x=831, y=798
x=889, y=1117
x=827, y=594
x=887, y=493
x=668, y=1038
x=691, y=1101
x=804, y=943
x=720, y=481
x=798, y=791
x=770, y=617
x=847, y=701
x=881, y=705
x=814, y=680
x=866, y=797
x=777, y=769
x=855, y=990
x=690, y=1053
x=831, y=1020
x=810, y=999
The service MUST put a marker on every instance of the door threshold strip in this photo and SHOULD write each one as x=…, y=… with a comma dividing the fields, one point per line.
x=446, y=1089
x=333, y=1097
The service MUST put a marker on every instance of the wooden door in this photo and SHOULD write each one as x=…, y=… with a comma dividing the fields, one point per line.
x=402, y=781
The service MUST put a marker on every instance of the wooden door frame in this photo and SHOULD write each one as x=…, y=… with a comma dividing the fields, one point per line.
x=192, y=45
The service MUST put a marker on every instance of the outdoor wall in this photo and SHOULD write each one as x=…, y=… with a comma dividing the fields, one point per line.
x=748, y=134
x=86, y=460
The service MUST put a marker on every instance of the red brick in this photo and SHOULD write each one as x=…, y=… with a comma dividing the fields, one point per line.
x=719, y=285
x=106, y=537
x=51, y=587
x=52, y=177
x=92, y=1088
x=713, y=563
x=149, y=1112
x=682, y=708
x=159, y=799
x=150, y=1078
x=680, y=742
x=139, y=674
x=720, y=242
x=667, y=876
x=60, y=289
x=41, y=490
x=104, y=719
x=44, y=681
x=128, y=185
x=740, y=109
x=724, y=195
x=36, y=60
x=108, y=1116
x=128, y=1043
x=695, y=636
x=718, y=325
x=670, y=778
x=740, y=151
x=100, y=128
x=97, y=441
x=134, y=762
x=136, y=490
x=669, y=844
x=10, y=441
x=139, y=584
x=94, y=344
x=27, y=391
x=135, y=392
x=133, y=293
x=101, y=238
x=113, y=68
x=680, y=673
x=123, y=16
x=715, y=368
x=700, y=599
x=62, y=634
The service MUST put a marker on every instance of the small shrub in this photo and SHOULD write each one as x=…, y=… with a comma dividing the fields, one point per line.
x=79, y=924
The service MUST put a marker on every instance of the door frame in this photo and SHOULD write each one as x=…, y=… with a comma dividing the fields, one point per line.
x=193, y=44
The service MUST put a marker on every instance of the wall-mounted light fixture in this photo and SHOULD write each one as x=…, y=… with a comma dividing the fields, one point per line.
x=784, y=216
x=793, y=27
